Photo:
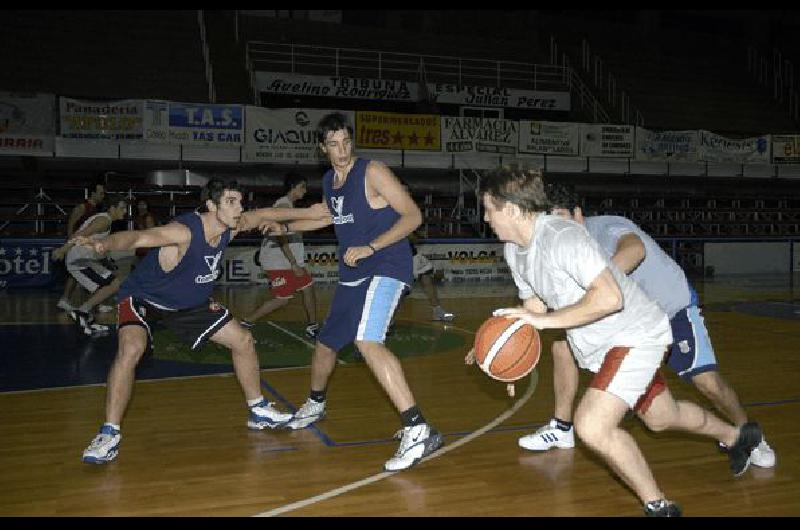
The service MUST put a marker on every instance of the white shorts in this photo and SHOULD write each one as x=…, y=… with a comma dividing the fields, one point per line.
x=421, y=265
x=629, y=374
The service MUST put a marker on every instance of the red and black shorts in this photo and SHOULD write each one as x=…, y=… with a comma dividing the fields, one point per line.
x=194, y=326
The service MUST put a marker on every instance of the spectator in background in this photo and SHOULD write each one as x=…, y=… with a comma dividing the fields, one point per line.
x=79, y=214
x=142, y=221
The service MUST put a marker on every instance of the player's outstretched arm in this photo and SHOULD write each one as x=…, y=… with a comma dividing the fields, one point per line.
x=255, y=218
x=160, y=236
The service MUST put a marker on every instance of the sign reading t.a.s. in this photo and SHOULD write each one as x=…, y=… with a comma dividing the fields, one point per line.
x=206, y=124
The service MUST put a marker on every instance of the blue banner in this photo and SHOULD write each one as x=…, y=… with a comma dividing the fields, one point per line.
x=27, y=262
x=206, y=124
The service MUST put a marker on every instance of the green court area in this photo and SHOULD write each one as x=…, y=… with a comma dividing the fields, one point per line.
x=282, y=344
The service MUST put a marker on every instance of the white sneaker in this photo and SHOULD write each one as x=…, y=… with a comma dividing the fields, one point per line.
x=418, y=441
x=442, y=315
x=762, y=455
x=548, y=436
x=105, y=446
x=64, y=305
x=310, y=412
x=264, y=414
x=102, y=308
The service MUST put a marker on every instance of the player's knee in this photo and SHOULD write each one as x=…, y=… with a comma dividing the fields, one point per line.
x=245, y=340
x=131, y=348
x=708, y=384
x=656, y=422
x=589, y=430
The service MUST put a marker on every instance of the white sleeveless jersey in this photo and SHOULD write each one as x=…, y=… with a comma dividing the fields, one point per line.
x=79, y=256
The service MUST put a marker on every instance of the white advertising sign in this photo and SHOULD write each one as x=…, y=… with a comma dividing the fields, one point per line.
x=716, y=148
x=102, y=120
x=27, y=123
x=666, y=145
x=549, y=138
x=285, y=135
x=606, y=140
x=477, y=135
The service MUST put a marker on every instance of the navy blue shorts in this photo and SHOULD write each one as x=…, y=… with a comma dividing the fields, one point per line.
x=691, y=352
x=361, y=311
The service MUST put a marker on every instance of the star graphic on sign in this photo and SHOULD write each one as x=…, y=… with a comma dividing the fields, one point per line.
x=412, y=139
x=428, y=139
x=18, y=251
x=33, y=252
x=398, y=138
x=2, y=251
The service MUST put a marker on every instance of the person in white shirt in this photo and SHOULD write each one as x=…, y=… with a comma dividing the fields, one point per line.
x=662, y=279
x=283, y=259
x=613, y=329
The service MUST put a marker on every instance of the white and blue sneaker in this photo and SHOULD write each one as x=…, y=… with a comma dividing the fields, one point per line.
x=417, y=442
x=308, y=413
x=264, y=415
x=548, y=436
x=105, y=446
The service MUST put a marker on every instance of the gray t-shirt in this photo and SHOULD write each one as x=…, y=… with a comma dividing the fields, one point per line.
x=272, y=256
x=658, y=275
x=559, y=265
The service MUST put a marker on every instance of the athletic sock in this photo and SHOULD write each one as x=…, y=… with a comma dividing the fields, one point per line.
x=563, y=425
x=254, y=402
x=317, y=395
x=412, y=416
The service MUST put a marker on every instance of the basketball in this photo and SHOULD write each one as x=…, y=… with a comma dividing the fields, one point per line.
x=507, y=349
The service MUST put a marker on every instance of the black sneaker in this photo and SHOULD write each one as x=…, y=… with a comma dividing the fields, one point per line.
x=739, y=453
x=662, y=508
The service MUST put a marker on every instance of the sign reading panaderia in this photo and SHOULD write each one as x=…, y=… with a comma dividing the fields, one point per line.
x=102, y=120
x=477, y=135
x=395, y=90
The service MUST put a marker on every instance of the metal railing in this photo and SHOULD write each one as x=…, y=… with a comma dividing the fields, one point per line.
x=212, y=93
x=375, y=64
x=777, y=75
x=619, y=100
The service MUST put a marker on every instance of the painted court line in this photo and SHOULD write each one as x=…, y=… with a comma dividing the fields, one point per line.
x=534, y=379
x=298, y=337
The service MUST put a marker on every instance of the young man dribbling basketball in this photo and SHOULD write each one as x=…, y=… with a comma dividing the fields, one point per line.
x=614, y=330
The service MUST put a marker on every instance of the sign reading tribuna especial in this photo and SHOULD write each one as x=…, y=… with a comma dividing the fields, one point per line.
x=409, y=91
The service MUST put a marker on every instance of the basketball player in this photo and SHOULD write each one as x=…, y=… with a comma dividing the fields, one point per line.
x=77, y=216
x=172, y=287
x=614, y=330
x=90, y=270
x=691, y=355
x=372, y=215
x=283, y=260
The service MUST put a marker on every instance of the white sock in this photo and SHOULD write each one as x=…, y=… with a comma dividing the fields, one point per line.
x=113, y=425
x=254, y=402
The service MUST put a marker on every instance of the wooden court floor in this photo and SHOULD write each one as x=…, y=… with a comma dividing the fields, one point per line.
x=187, y=452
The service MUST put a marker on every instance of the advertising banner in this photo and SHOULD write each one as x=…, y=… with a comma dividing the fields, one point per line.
x=549, y=138
x=477, y=135
x=607, y=140
x=27, y=123
x=101, y=120
x=666, y=145
x=395, y=90
x=786, y=149
x=285, y=135
x=388, y=130
x=201, y=124
x=26, y=262
x=156, y=121
x=716, y=148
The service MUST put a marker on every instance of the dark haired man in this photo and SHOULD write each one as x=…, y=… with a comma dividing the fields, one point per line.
x=373, y=214
x=172, y=287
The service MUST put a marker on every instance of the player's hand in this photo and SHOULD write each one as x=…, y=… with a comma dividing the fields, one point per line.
x=519, y=312
x=271, y=228
x=319, y=210
x=577, y=215
x=98, y=246
x=59, y=253
x=355, y=254
x=470, y=357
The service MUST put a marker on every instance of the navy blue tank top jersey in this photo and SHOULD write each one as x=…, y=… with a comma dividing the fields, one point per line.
x=190, y=283
x=357, y=224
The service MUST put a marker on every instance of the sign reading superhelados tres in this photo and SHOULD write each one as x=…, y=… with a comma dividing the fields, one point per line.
x=387, y=130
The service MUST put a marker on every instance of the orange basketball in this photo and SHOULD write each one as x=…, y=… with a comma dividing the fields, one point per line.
x=507, y=349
